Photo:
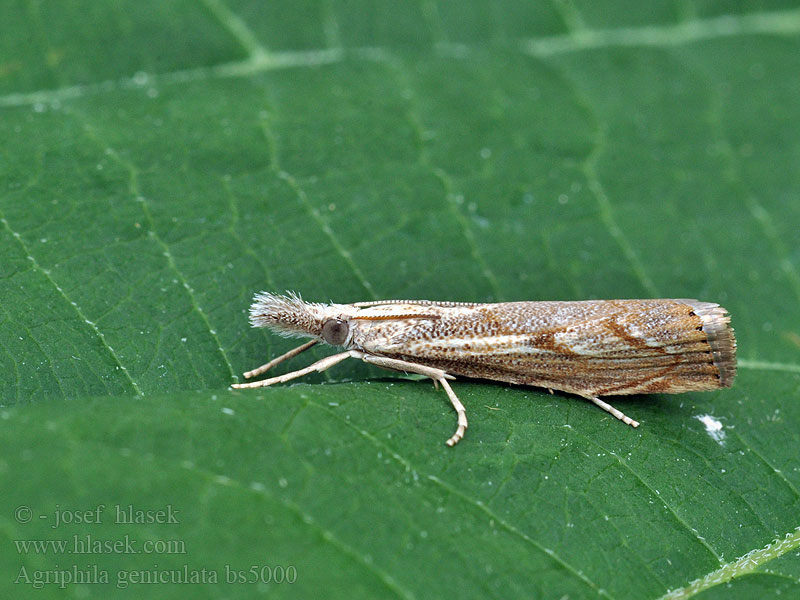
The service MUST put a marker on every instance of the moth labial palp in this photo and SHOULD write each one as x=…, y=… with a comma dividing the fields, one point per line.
x=590, y=348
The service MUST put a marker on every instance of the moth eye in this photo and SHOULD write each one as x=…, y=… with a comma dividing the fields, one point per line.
x=335, y=332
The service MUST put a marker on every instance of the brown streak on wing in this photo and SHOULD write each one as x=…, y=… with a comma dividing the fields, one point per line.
x=546, y=340
x=633, y=341
x=635, y=384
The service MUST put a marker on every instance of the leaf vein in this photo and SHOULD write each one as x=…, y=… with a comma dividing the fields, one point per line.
x=606, y=211
x=764, y=23
x=133, y=189
x=326, y=534
x=423, y=158
x=772, y=467
x=696, y=30
x=327, y=231
x=765, y=365
x=93, y=326
x=476, y=504
x=678, y=518
x=238, y=28
x=744, y=565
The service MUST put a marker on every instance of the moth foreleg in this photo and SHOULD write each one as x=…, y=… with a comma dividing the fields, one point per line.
x=266, y=367
x=437, y=375
x=320, y=365
x=617, y=413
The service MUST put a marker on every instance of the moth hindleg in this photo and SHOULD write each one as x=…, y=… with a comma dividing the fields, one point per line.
x=617, y=413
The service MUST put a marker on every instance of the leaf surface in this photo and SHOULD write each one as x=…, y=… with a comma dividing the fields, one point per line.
x=161, y=162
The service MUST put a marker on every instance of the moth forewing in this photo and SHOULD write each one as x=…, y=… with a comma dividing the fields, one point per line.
x=589, y=348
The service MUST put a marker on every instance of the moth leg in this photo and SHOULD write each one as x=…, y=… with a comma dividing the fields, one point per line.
x=275, y=361
x=460, y=411
x=437, y=375
x=617, y=413
x=320, y=365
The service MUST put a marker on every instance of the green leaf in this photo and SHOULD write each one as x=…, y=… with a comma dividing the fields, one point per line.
x=161, y=162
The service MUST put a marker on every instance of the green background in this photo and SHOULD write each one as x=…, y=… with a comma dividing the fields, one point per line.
x=162, y=161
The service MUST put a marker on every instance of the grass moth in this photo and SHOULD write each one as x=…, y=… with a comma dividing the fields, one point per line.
x=589, y=348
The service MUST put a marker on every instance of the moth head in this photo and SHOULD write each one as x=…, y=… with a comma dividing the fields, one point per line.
x=291, y=316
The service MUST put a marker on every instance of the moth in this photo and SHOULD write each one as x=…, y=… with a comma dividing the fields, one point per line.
x=588, y=348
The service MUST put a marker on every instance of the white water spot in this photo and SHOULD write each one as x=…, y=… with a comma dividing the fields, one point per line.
x=140, y=78
x=713, y=427
x=228, y=411
x=481, y=222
